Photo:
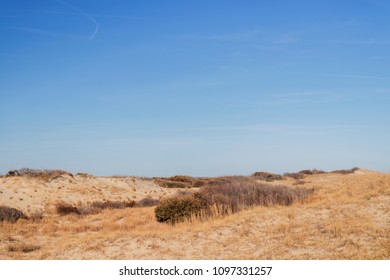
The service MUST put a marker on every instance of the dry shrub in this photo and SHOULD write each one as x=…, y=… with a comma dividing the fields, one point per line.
x=345, y=171
x=181, y=178
x=181, y=181
x=165, y=183
x=10, y=214
x=45, y=174
x=113, y=204
x=147, y=202
x=240, y=196
x=98, y=206
x=266, y=176
x=296, y=176
x=85, y=175
x=225, y=180
x=179, y=208
x=24, y=248
x=311, y=172
x=66, y=209
x=199, y=183
x=226, y=198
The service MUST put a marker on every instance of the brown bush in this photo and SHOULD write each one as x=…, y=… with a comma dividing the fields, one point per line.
x=85, y=175
x=181, y=181
x=66, y=209
x=10, y=214
x=179, y=208
x=227, y=198
x=113, y=204
x=23, y=248
x=45, y=174
x=296, y=176
x=345, y=171
x=181, y=178
x=266, y=176
x=240, y=196
x=147, y=202
x=165, y=183
x=199, y=183
x=311, y=172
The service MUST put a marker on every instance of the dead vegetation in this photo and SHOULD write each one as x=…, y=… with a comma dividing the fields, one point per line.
x=266, y=176
x=63, y=208
x=178, y=181
x=347, y=217
x=44, y=174
x=11, y=214
x=226, y=198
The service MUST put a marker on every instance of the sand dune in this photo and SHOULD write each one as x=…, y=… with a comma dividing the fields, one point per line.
x=348, y=217
x=34, y=194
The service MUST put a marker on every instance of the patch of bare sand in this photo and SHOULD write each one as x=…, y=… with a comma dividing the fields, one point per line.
x=31, y=194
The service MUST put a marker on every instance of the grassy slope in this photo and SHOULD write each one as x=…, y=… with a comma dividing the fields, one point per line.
x=348, y=218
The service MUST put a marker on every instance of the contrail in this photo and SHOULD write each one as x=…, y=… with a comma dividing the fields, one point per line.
x=91, y=18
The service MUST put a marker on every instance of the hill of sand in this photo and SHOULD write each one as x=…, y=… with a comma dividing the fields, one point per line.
x=30, y=194
x=348, y=217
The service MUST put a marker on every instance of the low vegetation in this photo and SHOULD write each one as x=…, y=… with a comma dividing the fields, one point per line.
x=303, y=173
x=180, y=208
x=44, y=174
x=10, y=214
x=221, y=199
x=345, y=171
x=178, y=181
x=95, y=207
x=266, y=176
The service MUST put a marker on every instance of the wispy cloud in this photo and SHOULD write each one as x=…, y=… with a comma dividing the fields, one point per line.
x=357, y=76
x=44, y=32
x=98, y=15
x=284, y=128
x=88, y=16
x=77, y=12
x=234, y=36
x=359, y=42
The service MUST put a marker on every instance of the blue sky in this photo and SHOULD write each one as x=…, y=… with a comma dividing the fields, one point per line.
x=204, y=88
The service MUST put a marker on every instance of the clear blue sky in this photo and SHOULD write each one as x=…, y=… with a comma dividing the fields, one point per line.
x=204, y=88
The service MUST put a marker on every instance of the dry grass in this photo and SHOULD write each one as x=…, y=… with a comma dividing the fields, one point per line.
x=268, y=177
x=347, y=218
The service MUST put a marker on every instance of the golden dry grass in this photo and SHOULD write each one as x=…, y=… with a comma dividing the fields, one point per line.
x=347, y=218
